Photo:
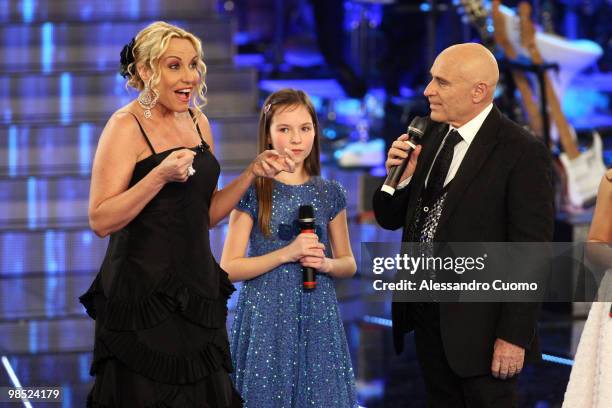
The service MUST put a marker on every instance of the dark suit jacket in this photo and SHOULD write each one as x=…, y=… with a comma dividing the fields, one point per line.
x=502, y=191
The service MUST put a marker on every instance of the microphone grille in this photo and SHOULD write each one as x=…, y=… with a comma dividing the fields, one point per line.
x=305, y=212
x=416, y=130
x=418, y=126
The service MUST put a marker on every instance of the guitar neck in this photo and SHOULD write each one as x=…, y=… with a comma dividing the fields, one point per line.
x=533, y=114
x=519, y=78
x=563, y=127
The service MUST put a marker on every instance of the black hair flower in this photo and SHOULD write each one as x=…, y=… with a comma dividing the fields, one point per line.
x=127, y=57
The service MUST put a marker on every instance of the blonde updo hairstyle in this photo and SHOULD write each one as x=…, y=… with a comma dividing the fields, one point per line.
x=149, y=45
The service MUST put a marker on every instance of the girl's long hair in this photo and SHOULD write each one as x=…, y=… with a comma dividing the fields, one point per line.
x=277, y=102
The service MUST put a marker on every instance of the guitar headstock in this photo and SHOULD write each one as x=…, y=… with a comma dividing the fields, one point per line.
x=474, y=9
x=528, y=32
x=500, y=33
x=478, y=16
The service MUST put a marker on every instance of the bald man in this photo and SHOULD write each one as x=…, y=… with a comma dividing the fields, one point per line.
x=477, y=177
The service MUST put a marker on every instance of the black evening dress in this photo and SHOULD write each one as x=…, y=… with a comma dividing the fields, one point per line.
x=160, y=302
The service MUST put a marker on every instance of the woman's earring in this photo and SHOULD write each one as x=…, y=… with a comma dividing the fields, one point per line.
x=147, y=101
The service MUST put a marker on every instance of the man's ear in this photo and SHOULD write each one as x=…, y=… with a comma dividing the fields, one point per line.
x=479, y=92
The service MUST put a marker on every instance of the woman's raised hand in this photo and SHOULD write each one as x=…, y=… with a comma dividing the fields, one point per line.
x=270, y=162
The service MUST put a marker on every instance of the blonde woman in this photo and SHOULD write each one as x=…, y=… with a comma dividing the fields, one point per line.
x=590, y=384
x=160, y=299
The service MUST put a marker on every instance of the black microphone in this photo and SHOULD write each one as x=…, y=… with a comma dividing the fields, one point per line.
x=415, y=131
x=307, y=225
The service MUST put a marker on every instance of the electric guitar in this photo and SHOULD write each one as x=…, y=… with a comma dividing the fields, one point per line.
x=573, y=56
x=493, y=36
x=520, y=80
x=583, y=170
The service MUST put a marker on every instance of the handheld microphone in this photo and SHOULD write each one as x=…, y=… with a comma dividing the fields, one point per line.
x=307, y=225
x=415, y=131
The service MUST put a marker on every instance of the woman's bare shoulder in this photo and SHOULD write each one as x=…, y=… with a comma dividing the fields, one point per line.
x=123, y=129
x=123, y=119
x=121, y=138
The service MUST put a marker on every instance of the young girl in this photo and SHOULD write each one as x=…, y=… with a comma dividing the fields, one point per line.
x=591, y=376
x=288, y=345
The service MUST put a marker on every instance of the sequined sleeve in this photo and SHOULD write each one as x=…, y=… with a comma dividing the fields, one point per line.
x=337, y=198
x=248, y=203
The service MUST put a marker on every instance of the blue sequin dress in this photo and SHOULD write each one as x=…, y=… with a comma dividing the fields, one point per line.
x=288, y=346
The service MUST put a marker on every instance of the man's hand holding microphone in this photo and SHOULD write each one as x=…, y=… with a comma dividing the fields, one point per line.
x=403, y=155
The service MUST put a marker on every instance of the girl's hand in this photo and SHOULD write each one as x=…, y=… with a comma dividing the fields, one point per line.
x=321, y=264
x=175, y=166
x=269, y=163
x=304, y=245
